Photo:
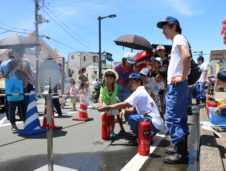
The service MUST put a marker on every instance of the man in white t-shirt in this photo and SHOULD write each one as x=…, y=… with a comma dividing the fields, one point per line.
x=136, y=105
x=201, y=83
x=177, y=87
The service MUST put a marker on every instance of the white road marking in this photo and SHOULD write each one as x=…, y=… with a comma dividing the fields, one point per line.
x=136, y=163
x=2, y=120
x=19, y=122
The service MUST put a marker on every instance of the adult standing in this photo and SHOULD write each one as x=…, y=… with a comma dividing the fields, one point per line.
x=201, y=83
x=176, y=95
x=20, y=68
x=124, y=69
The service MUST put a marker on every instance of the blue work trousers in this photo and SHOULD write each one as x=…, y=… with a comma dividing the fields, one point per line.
x=201, y=94
x=135, y=119
x=176, y=111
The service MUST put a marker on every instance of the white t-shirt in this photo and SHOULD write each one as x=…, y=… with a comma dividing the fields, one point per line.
x=176, y=65
x=142, y=101
x=203, y=67
x=156, y=86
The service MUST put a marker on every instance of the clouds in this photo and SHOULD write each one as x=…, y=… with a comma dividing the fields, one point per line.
x=184, y=7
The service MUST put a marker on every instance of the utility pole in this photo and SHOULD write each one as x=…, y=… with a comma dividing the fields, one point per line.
x=38, y=20
x=37, y=47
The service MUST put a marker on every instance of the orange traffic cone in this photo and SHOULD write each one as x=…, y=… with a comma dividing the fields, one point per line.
x=83, y=115
x=45, y=125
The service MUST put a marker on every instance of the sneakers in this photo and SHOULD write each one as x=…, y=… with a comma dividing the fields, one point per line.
x=112, y=135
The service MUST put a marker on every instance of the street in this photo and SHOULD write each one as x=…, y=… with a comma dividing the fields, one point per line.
x=79, y=146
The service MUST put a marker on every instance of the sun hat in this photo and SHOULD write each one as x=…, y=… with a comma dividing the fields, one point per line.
x=168, y=19
x=111, y=71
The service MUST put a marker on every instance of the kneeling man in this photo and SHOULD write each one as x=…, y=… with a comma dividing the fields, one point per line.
x=136, y=105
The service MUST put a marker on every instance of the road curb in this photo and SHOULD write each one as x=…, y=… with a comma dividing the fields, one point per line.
x=209, y=156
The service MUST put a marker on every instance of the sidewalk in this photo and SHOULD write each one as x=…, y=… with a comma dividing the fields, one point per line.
x=212, y=149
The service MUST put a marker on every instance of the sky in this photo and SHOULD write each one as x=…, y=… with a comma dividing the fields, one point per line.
x=73, y=24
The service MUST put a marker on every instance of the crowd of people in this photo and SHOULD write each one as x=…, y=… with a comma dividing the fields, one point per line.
x=159, y=92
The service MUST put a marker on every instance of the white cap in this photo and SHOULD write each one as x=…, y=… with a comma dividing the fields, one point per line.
x=130, y=57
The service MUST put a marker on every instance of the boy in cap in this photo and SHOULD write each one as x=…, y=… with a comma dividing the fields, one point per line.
x=177, y=88
x=141, y=103
x=221, y=76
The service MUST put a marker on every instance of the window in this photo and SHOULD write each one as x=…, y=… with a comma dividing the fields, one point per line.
x=72, y=56
x=95, y=58
x=95, y=72
x=84, y=58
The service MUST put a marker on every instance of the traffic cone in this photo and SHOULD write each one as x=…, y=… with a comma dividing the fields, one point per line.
x=83, y=115
x=32, y=124
x=44, y=124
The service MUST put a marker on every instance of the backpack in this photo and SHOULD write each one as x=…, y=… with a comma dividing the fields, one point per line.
x=195, y=71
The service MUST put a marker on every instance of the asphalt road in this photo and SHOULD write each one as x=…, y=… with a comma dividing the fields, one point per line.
x=78, y=145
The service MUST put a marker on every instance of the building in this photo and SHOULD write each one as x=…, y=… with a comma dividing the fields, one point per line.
x=88, y=60
x=30, y=54
x=217, y=61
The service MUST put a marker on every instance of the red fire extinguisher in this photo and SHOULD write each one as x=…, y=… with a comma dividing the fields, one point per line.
x=144, y=137
x=105, y=130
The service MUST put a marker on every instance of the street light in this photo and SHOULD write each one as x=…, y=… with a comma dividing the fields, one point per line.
x=100, y=61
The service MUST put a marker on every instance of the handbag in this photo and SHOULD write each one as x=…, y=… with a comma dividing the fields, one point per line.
x=14, y=86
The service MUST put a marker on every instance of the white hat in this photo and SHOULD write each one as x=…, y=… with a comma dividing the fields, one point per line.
x=160, y=47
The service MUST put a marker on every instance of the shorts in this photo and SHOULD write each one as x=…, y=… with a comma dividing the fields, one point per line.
x=73, y=100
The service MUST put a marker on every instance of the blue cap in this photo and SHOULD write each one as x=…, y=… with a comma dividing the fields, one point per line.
x=145, y=71
x=222, y=76
x=10, y=53
x=134, y=76
x=168, y=19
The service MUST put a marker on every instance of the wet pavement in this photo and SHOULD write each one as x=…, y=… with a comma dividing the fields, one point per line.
x=78, y=146
x=156, y=163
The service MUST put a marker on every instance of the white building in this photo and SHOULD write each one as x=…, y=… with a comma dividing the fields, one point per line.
x=88, y=60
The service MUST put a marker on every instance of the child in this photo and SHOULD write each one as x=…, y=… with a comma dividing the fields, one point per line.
x=145, y=76
x=72, y=92
x=221, y=76
x=108, y=95
x=159, y=90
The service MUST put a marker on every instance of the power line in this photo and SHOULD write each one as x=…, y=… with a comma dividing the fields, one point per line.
x=63, y=26
x=47, y=37
x=11, y=30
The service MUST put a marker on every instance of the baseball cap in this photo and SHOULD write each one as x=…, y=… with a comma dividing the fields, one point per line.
x=168, y=19
x=160, y=47
x=10, y=53
x=134, y=76
x=145, y=71
x=222, y=76
x=130, y=57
